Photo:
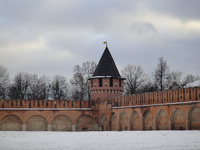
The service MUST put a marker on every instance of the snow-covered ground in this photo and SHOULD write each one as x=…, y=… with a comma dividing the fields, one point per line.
x=126, y=140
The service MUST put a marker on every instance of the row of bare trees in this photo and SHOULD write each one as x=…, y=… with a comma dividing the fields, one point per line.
x=137, y=81
x=31, y=86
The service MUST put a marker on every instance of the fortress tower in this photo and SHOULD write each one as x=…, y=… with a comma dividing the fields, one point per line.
x=106, y=80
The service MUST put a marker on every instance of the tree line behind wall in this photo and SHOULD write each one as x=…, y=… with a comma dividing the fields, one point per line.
x=31, y=86
x=137, y=81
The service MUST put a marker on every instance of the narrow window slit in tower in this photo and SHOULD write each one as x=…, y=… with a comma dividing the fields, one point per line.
x=100, y=82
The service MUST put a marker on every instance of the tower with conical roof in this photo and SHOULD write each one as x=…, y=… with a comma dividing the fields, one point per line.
x=106, y=80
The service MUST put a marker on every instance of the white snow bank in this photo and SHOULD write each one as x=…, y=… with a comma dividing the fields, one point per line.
x=126, y=140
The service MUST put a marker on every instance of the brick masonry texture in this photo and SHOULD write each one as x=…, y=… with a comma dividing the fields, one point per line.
x=166, y=110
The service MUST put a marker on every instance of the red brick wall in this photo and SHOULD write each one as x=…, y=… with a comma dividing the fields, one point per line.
x=105, y=91
x=177, y=109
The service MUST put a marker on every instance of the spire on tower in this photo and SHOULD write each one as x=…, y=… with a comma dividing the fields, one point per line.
x=106, y=66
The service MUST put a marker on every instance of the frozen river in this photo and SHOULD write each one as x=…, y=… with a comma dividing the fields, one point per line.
x=126, y=140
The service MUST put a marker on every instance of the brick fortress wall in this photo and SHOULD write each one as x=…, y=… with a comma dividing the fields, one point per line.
x=44, y=104
x=165, y=110
x=171, y=96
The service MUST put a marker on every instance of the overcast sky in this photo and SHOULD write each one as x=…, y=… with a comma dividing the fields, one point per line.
x=51, y=36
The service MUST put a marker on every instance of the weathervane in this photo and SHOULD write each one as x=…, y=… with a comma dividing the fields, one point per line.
x=105, y=42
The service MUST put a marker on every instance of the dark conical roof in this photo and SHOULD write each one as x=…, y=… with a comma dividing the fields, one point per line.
x=106, y=66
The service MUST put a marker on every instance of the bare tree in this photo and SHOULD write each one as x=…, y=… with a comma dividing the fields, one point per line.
x=4, y=81
x=189, y=79
x=59, y=87
x=39, y=88
x=88, y=68
x=45, y=87
x=135, y=78
x=174, y=80
x=161, y=74
x=30, y=86
x=79, y=83
x=80, y=80
x=19, y=88
x=148, y=86
x=34, y=87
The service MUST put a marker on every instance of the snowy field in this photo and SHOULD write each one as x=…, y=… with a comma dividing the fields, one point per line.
x=124, y=140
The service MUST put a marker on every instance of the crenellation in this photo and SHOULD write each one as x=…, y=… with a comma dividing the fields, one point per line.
x=77, y=104
x=120, y=101
x=126, y=100
x=140, y=99
x=178, y=95
x=16, y=103
x=143, y=99
x=131, y=98
x=66, y=103
x=50, y=104
x=196, y=93
x=181, y=95
x=136, y=100
x=59, y=103
x=160, y=97
x=155, y=98
x=191, y=94
x=33, y=104
x=146, y=96
x=1, y=103
x=25, y=104
x=170, y=96
x=173, y=96
x=87, y=104
x=7, y=103
x=149, y=98
x=71, y=103
x=40, y=104
x=184, y=94
x=165, y=94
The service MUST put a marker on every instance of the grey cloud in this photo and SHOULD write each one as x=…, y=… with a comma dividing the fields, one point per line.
x=80, y=27
x=183, y=9
x=143, y=27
